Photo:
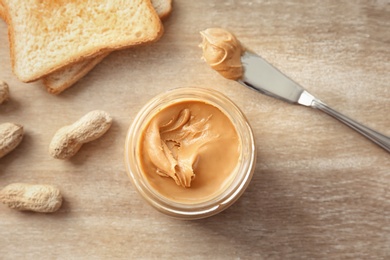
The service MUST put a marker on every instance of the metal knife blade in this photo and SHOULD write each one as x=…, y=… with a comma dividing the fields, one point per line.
x=262, y=76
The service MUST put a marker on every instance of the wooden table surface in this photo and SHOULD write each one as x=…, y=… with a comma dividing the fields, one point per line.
x=320, y=190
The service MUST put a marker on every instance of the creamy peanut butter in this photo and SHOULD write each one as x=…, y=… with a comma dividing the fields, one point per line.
x=222, y=51
x=189, y=151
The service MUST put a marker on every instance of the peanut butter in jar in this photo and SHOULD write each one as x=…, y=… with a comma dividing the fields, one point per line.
x=190, y=153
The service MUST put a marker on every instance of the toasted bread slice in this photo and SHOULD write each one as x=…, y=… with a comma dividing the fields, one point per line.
x=62, y=79
x=48, y=35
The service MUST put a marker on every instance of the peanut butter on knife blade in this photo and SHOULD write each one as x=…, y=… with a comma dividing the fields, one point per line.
x=222, y=51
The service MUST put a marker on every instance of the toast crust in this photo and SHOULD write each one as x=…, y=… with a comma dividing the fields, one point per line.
x=55, y=83
x=2, y=12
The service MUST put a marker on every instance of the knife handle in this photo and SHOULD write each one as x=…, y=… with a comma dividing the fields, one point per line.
x=378, y=138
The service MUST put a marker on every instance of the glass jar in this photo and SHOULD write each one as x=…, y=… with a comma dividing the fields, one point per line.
x=243, y=171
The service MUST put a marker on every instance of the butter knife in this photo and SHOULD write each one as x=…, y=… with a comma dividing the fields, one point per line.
x=261, y=76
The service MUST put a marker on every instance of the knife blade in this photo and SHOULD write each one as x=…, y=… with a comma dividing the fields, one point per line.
x=261, y=76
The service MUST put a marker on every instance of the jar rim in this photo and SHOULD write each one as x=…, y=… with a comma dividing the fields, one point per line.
x=244, y=168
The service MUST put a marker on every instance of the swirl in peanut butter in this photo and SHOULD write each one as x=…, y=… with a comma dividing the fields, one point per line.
x=185, y=140
x=222, y=51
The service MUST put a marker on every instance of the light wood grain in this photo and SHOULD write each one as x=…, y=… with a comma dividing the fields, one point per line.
x=320, y=190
